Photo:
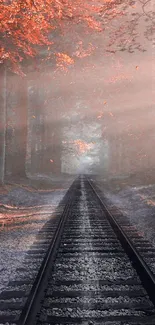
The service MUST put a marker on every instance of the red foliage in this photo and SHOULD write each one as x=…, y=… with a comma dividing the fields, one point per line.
x=27, y=23
x=23, y=25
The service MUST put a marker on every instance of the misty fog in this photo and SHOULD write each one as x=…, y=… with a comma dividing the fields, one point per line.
x=93, y=116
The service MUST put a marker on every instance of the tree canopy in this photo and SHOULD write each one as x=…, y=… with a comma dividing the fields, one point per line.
x=27, y=24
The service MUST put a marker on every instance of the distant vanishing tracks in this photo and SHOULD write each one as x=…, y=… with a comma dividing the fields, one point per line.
x=93, y=269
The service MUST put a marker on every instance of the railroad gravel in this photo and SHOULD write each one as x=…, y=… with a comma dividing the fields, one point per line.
x=98, y=300
x=90, y=269
x=137, y=203
x=107, y=269
x=92, y=322
x=91, y=287
x=78, y=312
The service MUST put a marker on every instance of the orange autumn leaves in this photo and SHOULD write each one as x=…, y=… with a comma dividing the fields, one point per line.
x=20, y=30
x=25, y=24
x=80, y=146
x=63, y=60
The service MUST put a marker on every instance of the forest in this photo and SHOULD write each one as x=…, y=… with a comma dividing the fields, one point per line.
x=77, y=162
x=76, y=88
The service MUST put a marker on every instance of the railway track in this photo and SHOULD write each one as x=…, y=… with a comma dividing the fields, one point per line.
x=91, y=271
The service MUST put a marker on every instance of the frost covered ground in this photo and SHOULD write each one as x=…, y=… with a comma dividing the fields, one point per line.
x=23, y=211
x=137, y=203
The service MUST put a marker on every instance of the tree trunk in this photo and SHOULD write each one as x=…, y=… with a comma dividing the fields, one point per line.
x=52, y=143
x=47, y=143
x=57, y=147
x=44, y=132
x=2, y=121
x=16, y=132
x=35, y=128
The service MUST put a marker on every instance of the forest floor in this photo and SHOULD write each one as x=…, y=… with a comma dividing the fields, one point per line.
x=37, y=182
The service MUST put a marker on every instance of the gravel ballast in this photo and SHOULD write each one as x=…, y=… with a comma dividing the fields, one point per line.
x=137, y=203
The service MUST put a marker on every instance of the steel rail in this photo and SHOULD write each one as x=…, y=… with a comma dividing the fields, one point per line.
x=145, y=274
x=33, y=302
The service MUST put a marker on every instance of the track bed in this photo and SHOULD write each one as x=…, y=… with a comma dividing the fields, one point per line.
x=90, y=278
